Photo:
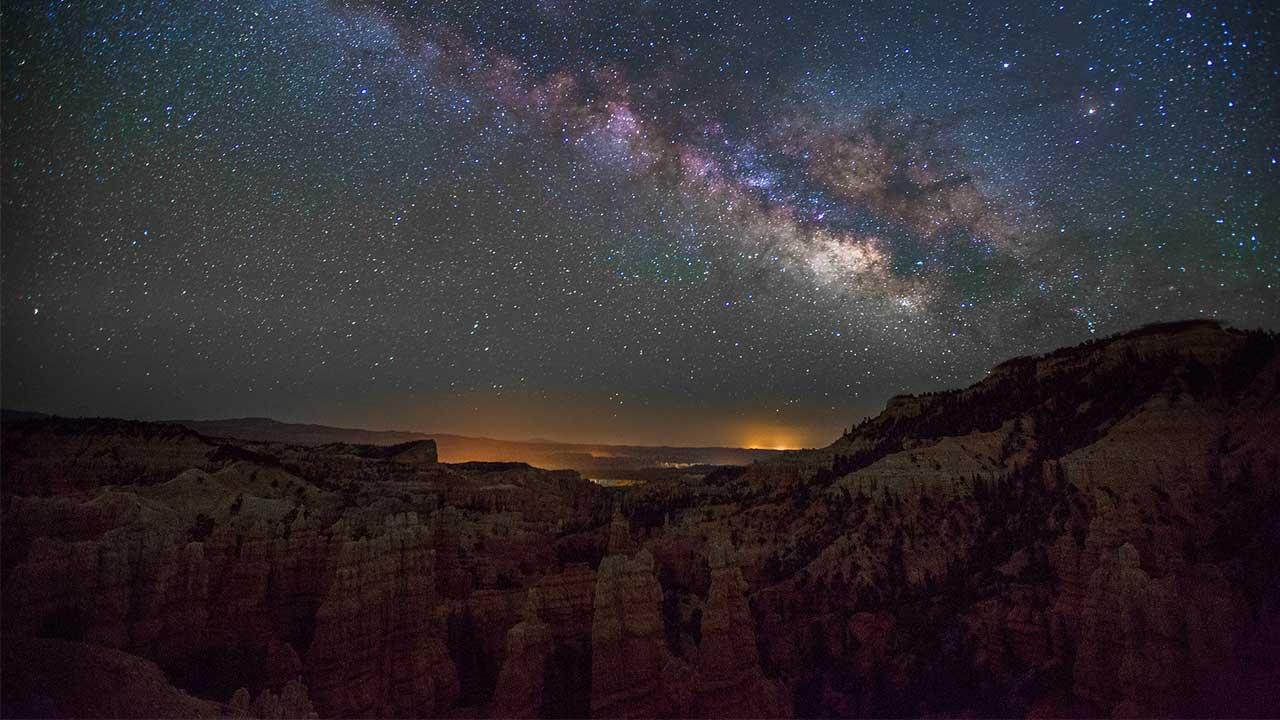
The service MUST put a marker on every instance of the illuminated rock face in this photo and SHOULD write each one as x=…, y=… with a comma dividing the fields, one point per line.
x=1091, y=532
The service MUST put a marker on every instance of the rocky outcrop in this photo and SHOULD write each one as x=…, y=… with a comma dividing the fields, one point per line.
x=419, y=452
x=59, y=457
x=566, y=601
x=292, y=702
x=380, y=640
x=254, y=566
x=1165, y=645
x=63, y=679
x=120, y=572
x=730, y=682
x=1084, y=532
x=529, y=644
x=632, y=673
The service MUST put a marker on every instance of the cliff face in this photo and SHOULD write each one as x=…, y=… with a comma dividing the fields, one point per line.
x=1081, y=533
x=1090, y=532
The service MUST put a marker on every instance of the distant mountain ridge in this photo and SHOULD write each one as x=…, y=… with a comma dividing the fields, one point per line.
x=590, y=459
x=265, y=429
x=587, y=458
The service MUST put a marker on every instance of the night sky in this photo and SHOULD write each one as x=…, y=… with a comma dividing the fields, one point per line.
x=655, y=222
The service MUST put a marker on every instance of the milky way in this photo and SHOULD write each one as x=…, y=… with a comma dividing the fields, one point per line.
x=648, y=222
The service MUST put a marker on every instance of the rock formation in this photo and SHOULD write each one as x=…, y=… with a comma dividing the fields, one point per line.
x=292, y=702
x=529, y=644
x=632, y=673
x=379, y=644
x=63, y=679
x=1087, y=532
x=730, y=682
x=1079, y=533
x=257, y=564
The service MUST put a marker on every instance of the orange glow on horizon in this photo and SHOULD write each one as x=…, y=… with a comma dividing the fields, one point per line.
x=770, y=437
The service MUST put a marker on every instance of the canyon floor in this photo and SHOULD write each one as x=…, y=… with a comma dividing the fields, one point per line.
x=1091, y=532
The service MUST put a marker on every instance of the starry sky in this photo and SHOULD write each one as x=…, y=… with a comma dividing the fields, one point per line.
x=652, y=222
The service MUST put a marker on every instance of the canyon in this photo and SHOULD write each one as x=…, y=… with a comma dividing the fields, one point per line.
x=1089, y=532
